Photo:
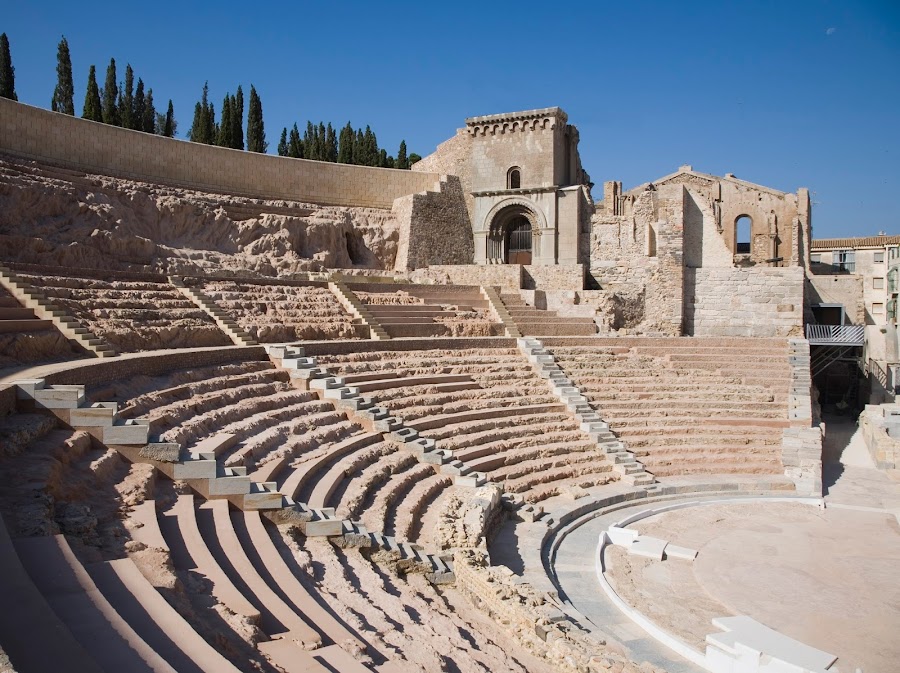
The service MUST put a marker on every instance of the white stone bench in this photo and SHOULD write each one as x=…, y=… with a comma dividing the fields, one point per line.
x=746, y=646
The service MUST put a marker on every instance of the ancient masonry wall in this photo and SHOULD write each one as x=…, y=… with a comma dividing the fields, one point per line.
x=884, y=449
x=801, y=444
x=85, y=145
x=434, y=227
x=753, y=302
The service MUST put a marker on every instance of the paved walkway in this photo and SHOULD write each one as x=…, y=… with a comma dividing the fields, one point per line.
x=854, y=540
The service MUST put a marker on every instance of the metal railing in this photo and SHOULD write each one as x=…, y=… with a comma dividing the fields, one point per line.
x=836, y=335
x=878, y=372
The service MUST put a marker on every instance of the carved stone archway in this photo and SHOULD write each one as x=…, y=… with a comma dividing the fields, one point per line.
x=513, y=230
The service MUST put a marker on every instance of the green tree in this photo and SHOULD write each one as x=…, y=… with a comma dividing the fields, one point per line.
x=283, y=143
x=359, y=143
x=148, y=120
x=140, y=104
x=64, y=93
x=7, y=72
x=204, y=124
x=111, y=96
x=169, y=126
x=413, y=158
x=126, y=99
x=256, y=131
x=225, y=138
x=370, y=148
x=93, y=107
x=331, y=144
x=237, y=119
x=295, y=145
x=311, y=142
x=402, y=160
x=345, y=145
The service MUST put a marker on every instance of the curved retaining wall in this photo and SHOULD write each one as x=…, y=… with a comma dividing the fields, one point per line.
x=77, y=143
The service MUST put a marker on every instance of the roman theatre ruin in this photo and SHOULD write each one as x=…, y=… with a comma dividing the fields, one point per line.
x=265, y=414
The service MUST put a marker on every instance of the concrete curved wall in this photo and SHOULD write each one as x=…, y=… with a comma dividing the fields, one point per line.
x=72, y=142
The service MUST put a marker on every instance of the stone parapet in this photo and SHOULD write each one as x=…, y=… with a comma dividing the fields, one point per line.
x=876, y=423
x=71, y=142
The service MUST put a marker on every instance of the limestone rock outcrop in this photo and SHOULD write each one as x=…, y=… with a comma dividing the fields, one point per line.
x=59, y=217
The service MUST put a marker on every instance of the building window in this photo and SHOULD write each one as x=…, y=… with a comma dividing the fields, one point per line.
x=892, y=310
x=879, y=257
x=514, y=178
x=877, y=308
x=815, y=259
x=845, y=260
x=743, y=233
x=878, y=283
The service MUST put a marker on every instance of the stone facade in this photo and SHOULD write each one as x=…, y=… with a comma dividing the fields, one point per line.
x=520, y=170
x=744, y=302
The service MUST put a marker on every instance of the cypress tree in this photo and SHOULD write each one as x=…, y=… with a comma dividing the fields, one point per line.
x=64, y=93
x=148, y=121
x=383, y=159
x=256, y=132
x=225, y=126
x=196, y=130
x=170, y=125
x=237, y=119
x=140, y=104
x=7, y=72
x=283, y=143
x=331, y=144
x=110, y=96
x=359, y=148
x=212, y=128
x=93, y=107
x=203, y=126
x=295, y=146
x=126, y=99
x=371, y=148
x=402, y=161
x=413, y=158
x=345, y=145
x=309, y=141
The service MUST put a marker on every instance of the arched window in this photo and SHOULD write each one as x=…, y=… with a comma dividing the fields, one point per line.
x=514, y=178
x=743, y=228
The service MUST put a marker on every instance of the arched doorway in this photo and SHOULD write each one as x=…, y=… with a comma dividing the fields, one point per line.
x=510, y=236
x=518, y=241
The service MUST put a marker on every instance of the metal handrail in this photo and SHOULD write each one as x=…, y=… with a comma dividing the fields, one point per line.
x=844, y=335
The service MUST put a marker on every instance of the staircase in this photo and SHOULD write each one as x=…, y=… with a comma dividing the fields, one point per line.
x=100, y=419
x=356, y=308
x=498, y=308
x=624, y=462
x=532, y=321
x=237, y=335
x=42, y=310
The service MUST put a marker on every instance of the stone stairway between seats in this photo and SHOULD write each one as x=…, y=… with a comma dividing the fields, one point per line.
x=43, y=310
x=221, y=318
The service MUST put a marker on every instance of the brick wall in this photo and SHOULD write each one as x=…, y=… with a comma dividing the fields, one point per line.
x=77, y=143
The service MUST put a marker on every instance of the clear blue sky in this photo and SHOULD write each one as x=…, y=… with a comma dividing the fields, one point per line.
x=787, y=93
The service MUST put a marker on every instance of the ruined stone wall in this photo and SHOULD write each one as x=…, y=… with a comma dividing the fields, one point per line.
x=638, y=260
x=77, y=143
x=753, y=302
x=553, y=277
x=496, y=275
x=434, y=228
x=452, y=157
x=833, y=289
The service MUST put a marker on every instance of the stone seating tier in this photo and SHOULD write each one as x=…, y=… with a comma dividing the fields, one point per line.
x=279, y=313
x=132, y=316
x=684, y=406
